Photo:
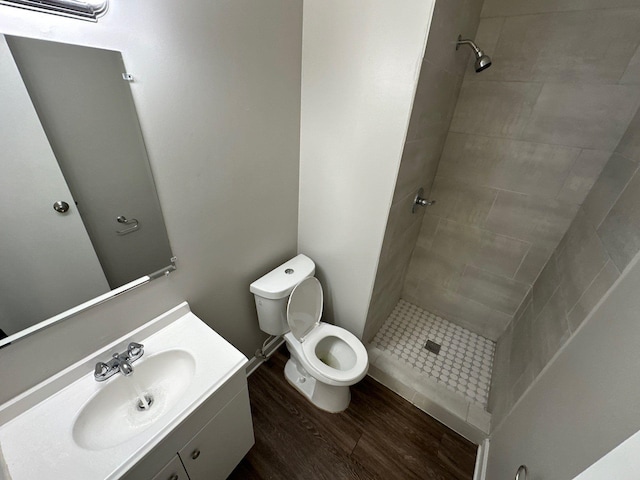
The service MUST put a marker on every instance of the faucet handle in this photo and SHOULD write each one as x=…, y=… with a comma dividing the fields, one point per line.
x=101, y=371
x=135, y=350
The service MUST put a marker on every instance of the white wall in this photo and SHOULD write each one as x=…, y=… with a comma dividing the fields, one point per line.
x=360, y=65
x=218, y=95
x=586, y=402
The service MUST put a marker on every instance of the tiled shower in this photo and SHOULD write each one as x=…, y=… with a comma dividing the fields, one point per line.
x=511, y=156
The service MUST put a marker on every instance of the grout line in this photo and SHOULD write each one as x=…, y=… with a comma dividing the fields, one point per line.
x=617, y=198
x=569, y=310
x=515, y=274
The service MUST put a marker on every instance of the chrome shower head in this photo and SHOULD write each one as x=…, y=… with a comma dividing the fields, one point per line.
x=483, y=61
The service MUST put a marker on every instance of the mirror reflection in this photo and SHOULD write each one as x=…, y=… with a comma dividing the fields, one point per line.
x=80, y=214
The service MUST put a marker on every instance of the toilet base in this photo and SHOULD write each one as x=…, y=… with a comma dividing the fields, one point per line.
x=329, y=398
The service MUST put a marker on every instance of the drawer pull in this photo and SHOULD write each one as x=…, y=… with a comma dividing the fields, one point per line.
x=195, y=454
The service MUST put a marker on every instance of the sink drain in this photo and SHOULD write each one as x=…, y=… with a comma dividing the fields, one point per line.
x=145, y=404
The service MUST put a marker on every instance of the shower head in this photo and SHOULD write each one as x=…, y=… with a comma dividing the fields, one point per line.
x=483, y=61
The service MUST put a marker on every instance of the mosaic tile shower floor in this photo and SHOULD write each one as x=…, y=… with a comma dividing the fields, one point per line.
x=465, y=359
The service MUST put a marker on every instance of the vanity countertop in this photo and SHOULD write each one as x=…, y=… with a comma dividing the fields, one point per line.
x=39, y=430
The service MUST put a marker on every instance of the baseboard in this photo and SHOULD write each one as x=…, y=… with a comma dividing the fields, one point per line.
x=271, y=347
x=482, y=457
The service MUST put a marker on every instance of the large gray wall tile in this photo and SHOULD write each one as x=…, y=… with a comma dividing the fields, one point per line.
x=533, y=262
x=428, y=267
x=494, y=291
x=461, y=310
x=494, y=108
x=418, y=165
x=593, y=46
x=462, y=202
x=514, y=165
x=550, y=330
x=582, y=115
x=539, y=220
x=603, y=281
x=434, y=101
x=499, y=393
x=583, y=175
x=493, y=8
x=545, y=285
x=580, y=259
x=521, y=354
x=631, y=74
x=620, y=230
x=629, y=146
x=610, y=184
x=481, y=248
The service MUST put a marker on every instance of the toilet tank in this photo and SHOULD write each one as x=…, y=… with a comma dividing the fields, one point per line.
x=272, y=291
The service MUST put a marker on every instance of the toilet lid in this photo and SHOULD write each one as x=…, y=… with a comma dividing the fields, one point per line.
x=304, y=308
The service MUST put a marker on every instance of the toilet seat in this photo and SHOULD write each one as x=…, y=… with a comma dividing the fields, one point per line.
x=327, y=373
x=304, y=309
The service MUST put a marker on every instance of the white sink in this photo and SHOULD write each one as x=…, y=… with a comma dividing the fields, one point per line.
x=127, y=406
x=74, y=427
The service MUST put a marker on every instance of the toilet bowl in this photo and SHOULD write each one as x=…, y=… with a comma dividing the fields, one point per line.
x=325, y=359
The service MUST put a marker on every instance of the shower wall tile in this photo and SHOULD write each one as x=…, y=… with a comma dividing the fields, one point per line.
x=497, y=8
x=629, y=146
x=532, y=264
x=591, y=46
x=478, y=247
x=610, y=184
x=582, y=115
x=521, y=354
x=530, y=218
x=428, y=230
x=494, y=291
x=433, y=112
x=419, y=162
x=581, y=258
x=460, y=201
x=499, y=109
x=550, y=330
x=507, y=164
x=582, y=176
x=460, y=310
x=632, y=72
x=433, y=269
x=545, y=285
x=620, y=230
x=499, y=395
x=603, y=281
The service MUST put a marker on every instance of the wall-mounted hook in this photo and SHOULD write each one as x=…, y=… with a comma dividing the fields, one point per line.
x=420, y=202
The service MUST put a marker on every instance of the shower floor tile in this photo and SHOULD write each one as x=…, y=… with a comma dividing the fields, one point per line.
x=465, y=359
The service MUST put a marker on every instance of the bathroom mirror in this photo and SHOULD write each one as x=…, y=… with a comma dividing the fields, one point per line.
x=80, y=214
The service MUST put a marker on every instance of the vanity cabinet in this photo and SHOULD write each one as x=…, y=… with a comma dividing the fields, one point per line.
x=209, y=443
x=174, y=470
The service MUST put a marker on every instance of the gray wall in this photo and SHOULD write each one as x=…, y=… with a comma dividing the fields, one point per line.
x=600, y=243
x=218, y=96
x=440, y=79
x=528, y=139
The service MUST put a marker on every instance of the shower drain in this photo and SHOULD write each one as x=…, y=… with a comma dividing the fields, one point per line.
x=433, y=347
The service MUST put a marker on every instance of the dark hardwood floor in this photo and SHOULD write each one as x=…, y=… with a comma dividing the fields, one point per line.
x=380, y=435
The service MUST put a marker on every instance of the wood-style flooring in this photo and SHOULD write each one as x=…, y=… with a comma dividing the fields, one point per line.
x=380, y=435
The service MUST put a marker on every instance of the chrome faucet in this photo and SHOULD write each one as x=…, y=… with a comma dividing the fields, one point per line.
x=120, y=362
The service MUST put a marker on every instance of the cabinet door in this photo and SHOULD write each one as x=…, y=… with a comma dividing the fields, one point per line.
x=172, y=471
x=215, y=450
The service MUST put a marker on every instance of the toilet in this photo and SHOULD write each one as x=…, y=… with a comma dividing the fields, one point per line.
x=325, y=359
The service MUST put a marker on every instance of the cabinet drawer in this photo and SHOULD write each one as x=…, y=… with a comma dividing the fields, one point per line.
x=215, y=450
